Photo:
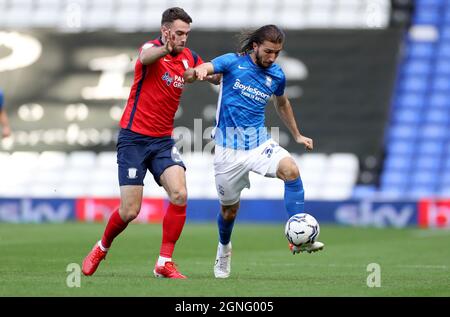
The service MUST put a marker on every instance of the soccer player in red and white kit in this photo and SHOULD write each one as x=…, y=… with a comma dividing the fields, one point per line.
x=145, y=141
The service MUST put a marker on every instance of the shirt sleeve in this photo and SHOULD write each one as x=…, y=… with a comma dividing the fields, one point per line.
x=223, y=62
x=1, y=100
x=197, y=59
x=281, y=87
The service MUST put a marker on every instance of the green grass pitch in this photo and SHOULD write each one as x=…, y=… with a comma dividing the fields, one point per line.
x=413, y=262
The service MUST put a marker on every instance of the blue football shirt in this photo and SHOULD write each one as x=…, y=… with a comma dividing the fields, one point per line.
x=245, y=90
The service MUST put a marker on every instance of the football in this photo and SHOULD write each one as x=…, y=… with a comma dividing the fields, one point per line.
x=302, y=228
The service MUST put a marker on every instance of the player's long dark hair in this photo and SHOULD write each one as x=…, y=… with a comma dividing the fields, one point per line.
x=270, y=32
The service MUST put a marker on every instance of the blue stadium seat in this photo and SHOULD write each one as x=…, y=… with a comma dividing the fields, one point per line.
x=445, y=32
x=444, y=191
x=403, y=132
x=441, y=83
x=446, y=163
x=434, y=132
x=445, y=178
x=363, y=191
x=413, y=100
x=393, y=191
x=417, y=67
x=439, y=116
x=421, y=50
x=442, y=67
x=439, y=100
x=405, y=115
x=398, y=163
x=431, y=148
x=428, y=16
x=400, y=147
x=422, y=191
x=425, y=178
x=443, y=50
x=414, y=84
x=428, y=163
x=429, y=2
x=399, y=179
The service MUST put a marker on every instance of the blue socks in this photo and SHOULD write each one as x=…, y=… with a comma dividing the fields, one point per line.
x=294, y=196
x=225, y=229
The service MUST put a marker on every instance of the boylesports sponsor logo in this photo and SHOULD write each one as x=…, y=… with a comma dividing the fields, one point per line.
x=251, y=92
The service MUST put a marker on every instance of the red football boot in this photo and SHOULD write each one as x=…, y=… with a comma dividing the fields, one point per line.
x=168, y=270
x=92, y=260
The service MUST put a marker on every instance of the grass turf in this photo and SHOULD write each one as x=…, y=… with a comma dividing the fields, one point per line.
x=414, y=262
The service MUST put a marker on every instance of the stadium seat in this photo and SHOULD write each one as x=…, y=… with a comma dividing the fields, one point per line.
x=425, y=178
x=107, y=160
x=52, y=160
x=420, y=50
x=336, y=193
x=403, y=132
x=443, y=50
x=428, y=163
x=399, y=179
x=423, y=191
x=407, y=116
x=428, y=15
x=128, y=19
x=441, y=83
x=414, y=84
x=398, y=162
x=439, y=100
x=442, y=66
x=417, y=67
x=434, y=131
x=364, y=191
x=434, y=148
x=82, y=159
x=411, y=100
x=400, y=147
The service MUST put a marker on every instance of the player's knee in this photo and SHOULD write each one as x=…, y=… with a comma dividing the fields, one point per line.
x=288, y=170
x=129, y=212
x=178, y=197
x=229, y=214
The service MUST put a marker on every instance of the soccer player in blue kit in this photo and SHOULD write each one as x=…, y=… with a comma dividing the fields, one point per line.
x=249, y=79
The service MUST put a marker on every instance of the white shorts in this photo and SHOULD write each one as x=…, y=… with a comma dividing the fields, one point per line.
x=232, y=167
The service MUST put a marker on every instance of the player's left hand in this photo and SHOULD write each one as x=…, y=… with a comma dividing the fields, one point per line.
x=308, y=142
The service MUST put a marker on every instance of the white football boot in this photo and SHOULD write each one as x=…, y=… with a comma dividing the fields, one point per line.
x=222, y=266
x=308, y=247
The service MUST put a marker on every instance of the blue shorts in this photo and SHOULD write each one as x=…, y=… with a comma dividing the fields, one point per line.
x=137, y=153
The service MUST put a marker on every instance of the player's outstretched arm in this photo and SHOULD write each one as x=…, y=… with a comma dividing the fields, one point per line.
x=284, y=110
x=150, y=54
x=201, y=72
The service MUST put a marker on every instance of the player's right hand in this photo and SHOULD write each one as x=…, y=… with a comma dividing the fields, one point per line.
x=170, y=41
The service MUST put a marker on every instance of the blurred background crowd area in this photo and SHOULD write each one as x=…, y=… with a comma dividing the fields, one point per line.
x=369, y=81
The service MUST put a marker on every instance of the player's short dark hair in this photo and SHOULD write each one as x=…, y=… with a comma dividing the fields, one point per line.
x=173, y=14
x=270, y=32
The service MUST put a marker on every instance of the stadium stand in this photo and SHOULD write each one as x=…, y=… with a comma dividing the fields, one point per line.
x=122, y=15
x=418, y=124
x=417, y=140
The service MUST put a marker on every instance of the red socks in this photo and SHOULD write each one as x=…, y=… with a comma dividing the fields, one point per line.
x=114, y=227
x=173, y=224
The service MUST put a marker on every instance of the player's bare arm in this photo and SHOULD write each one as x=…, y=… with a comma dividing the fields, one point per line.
x=151, y=54
x=284, y=110
x=204, y=71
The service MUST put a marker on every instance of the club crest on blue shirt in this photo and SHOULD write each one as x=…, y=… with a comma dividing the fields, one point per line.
x=268, y=81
